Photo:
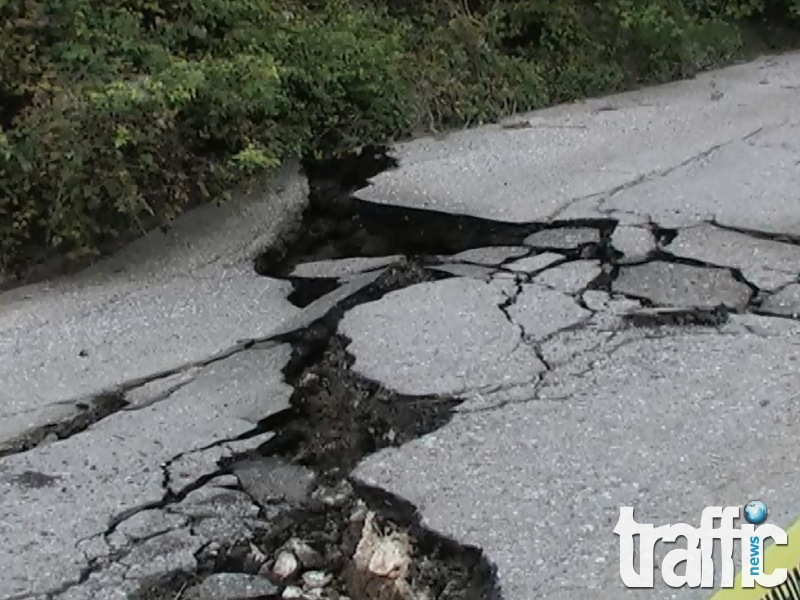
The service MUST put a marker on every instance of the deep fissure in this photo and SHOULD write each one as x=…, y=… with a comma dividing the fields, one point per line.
x=89, y=411
x=338, y=417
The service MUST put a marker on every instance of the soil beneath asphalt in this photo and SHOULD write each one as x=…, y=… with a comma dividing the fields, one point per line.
x=338, y=417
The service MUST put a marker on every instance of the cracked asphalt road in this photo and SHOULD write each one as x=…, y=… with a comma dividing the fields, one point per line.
x=164, y=301
x=627, y=337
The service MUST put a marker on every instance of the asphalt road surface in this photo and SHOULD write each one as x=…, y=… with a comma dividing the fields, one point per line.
x=601, y=310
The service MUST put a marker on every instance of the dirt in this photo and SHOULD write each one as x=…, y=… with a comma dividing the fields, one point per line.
x=337, y=417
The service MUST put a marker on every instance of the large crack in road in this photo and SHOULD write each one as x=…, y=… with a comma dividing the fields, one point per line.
x=340, y=417
x=313, y=530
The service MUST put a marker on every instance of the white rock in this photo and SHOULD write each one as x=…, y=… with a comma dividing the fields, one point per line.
x=285, y=566
x=390, y=559
x=308, y=557
x=333, y=496
x=292, y=592
x=381, y=563
x=316, y=579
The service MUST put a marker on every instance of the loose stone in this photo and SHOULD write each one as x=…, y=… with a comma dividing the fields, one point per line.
x=308, y=557
x=285, y=566
x=316, y=579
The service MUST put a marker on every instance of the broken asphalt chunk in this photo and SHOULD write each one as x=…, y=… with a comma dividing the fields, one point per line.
x=231, y=586
x=321, y=307
x=272, y=480
x=441, y=337
x=571, y=277
x=540, y=311
x=466, y=270
x=565, y=238
x=679, y=285
x=343, y=267
x=531, y=264
x=766, y=263
x=785, y=302
x=635, y=243
x=491, y=256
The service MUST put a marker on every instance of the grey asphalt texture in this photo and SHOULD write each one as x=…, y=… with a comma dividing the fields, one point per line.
x=162, y=302
x=568, y=412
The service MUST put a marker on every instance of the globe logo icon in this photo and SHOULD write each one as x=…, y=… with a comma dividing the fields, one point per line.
x=755, y=512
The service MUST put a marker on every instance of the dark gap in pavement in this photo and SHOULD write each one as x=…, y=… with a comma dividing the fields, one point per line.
x=528, y=276
x=308, y=289
x=357, y=228
x=664, y=236
x=601, y=283
x=777, y=315
x=678, y=317
x=93, y=409
x=336, y=419
x=338, y=225
x=90, y=411
x=652, y=314
x=349, y=417
x=785, y=238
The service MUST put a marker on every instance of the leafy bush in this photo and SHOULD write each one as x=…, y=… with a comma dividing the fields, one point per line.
x=117, y=115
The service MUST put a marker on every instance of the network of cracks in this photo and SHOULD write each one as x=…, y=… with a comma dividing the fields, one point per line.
x=318, y=532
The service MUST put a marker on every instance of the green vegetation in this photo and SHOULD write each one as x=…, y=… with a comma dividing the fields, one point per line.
x=115, y=115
